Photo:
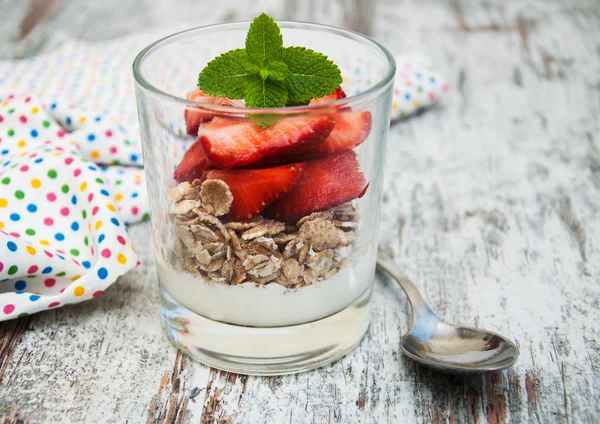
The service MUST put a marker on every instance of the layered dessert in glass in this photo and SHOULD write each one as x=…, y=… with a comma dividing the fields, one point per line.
x=265, y=220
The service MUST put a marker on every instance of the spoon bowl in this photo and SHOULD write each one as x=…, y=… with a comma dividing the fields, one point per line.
x=461, y=349
x=447, y=347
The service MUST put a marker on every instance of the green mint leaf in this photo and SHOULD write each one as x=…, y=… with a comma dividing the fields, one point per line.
x=293, y=102
x=277, y=71
x=266, y=74
x=260, y=93
x=225, y=75
x=264, y=120
x=264, y=40
x=312, y=74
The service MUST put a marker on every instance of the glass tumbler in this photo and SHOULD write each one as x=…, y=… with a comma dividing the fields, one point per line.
x=288, y=289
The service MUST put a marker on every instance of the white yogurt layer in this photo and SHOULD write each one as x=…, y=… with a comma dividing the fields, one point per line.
x=270, y=305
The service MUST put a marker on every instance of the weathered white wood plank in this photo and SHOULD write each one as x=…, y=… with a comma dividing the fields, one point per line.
x=491, y=205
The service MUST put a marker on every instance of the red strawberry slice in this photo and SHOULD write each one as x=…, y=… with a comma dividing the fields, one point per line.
x=350, y=130
x=193, y=164
x=196, y=116
x=254, y=189
x=236, y=143
x=336, y=95
x=326, y=183
x=364, y=191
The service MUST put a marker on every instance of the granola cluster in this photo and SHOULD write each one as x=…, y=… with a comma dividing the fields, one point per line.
x=260, y=250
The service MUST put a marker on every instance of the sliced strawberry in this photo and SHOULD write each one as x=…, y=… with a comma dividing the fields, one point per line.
x=254, y=189
x=236, y=143
x=326, y=183
x=336, y=95
x=193, y=164
x=364, y=191
x=350, y=130
x=196, y=116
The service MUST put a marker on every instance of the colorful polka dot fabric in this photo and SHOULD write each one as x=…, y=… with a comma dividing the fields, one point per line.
x=88, y=90
x=62, y=217
x=417, y=86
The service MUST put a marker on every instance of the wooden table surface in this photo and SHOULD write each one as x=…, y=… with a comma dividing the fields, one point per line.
x=491, y=205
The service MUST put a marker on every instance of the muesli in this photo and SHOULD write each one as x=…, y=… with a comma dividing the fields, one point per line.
x=259, y=250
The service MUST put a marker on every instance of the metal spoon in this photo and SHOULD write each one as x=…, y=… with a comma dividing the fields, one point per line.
x=446, y=347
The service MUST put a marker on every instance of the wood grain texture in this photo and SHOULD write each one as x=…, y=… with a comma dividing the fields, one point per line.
x=491, y=205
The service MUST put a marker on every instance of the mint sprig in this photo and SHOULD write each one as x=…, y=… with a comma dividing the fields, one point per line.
x=265, y=74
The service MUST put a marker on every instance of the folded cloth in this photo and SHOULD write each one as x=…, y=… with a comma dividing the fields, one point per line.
x=70, y=179
x=62, y=239
x=62, y=233
x=417, y=85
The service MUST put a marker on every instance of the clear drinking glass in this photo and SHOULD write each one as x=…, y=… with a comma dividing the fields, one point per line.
x=265, y=296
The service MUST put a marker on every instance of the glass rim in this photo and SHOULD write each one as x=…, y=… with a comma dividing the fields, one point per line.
x=353, y=99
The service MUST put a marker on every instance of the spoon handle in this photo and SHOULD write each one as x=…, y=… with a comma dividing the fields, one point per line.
x=414, y=296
